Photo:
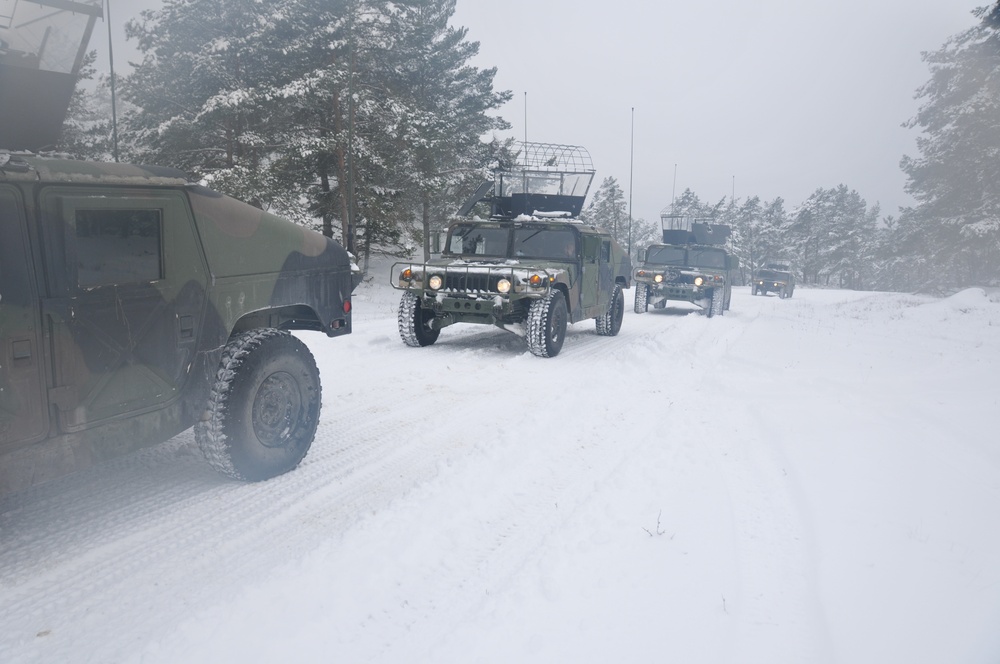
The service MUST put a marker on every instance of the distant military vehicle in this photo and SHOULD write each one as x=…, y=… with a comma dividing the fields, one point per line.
x=691, y=265
x=135, y=304
x=774, y=278
x=531, y=268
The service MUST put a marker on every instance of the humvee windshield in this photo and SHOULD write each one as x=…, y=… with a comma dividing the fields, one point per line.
x=476, y=240
x=666, y=255
x=772, y=275
x=686, y=257
x=471, y=239
x=544, y=243
x=707, y=258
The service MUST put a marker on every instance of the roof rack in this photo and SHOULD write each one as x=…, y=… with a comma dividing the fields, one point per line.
x=553, y=157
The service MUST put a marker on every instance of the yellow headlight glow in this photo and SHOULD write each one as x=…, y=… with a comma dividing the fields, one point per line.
x=435, y=282
x=407, y=274
x=535, y=280
x=698, y=281
x=503, y=286
x=658, y=278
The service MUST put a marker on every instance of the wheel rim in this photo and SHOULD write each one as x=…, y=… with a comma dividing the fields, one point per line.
x=555, y=331
x=276, y=409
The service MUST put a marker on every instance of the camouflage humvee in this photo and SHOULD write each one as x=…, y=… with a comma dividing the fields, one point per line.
x=134, y=305
x=775, y=278
x=690, y=266
x=530, y=269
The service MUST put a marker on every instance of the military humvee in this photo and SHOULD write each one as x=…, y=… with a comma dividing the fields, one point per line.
x=774, y=278
x=135, y=304
x=690, y=266
x=531, y=268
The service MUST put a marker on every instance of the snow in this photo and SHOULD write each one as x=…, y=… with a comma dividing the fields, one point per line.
x=805, y=480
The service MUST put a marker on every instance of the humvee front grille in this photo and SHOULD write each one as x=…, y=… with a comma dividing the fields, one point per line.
x=470, y=282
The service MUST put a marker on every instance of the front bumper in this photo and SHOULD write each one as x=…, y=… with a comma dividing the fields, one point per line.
x=473, y=293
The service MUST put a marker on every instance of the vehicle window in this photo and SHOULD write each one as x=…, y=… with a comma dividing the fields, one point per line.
x=118, y=246
x=666, y=255
x=544, y=243
x=606, y=251
x=478, y=240
x=707, y=258
x=591, y=248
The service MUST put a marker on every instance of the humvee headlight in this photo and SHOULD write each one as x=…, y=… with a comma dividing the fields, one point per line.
x=503, y=285
x=658, y=278
x=535, y=280
x=775, y=284
x=698, y=281
x=435, y=282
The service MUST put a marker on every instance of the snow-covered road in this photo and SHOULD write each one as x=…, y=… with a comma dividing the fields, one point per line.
x=809, y=480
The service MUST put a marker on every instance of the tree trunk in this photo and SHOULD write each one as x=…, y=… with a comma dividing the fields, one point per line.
x=425, y=219
x=341, y=165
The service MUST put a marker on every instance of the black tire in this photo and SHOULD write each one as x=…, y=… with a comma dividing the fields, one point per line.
x=755, y=291
x=610, y=323
x=729, y=298
x=715, y=303
x=547, y=320
x=264, y=406
x=782, y=294
x=641, y=299
x=412, y=320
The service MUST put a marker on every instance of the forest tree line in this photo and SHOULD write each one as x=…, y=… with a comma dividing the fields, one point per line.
x=365, y=120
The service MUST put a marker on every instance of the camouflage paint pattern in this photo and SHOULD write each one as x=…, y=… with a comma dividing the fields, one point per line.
x=470, y=295
x=92, y=366
x=687, y=281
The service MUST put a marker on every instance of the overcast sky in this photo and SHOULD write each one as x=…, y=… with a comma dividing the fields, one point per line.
x=769, y=97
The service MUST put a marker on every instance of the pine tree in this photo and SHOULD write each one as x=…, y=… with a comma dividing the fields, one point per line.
x=447, y=104
x=607, y=210
x=833, y=236
x=956, y=178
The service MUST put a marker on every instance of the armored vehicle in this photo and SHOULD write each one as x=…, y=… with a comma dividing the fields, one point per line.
x=530, y=268
x=135, y=304
x=774, y=278
x=690, y=266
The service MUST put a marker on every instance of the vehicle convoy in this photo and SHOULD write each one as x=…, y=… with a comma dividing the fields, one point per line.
x=135, y=304
x=691, y=265
x=531, y=268
x=774, y=278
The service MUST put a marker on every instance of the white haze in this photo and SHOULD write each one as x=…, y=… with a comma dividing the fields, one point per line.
x=805, y=480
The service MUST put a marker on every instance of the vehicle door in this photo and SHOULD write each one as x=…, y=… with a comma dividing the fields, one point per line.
x=591, y=277
x=128, y=284
x=23, y=404
x=606, y=275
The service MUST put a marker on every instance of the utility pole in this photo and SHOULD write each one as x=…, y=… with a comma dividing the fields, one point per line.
x=114, y=106
x=631, y=162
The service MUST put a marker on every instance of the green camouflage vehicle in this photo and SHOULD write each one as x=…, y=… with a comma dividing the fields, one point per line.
x=530, y=269
x=774, y=278
x=135, y=305
x=690, y=266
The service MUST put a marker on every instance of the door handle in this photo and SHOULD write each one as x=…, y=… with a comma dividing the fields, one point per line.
x=21, y=351
x=186, y=325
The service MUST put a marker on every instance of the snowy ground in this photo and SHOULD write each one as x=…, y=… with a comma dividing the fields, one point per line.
x=810, y=480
